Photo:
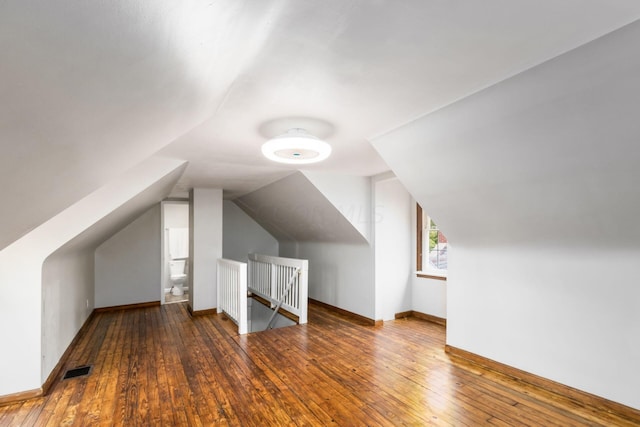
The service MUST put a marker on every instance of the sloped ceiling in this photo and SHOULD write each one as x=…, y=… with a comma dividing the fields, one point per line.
x=366, y=67
x=547, y=158
x=293, y=209
x=89, y=89
x=123, y=215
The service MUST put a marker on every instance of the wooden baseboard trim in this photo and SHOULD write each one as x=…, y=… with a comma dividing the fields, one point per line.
x=8, y=399
x=127, y=306
x=422, y=316
x=404, y=314
x=282, y=311
x=430, y=276
x=430, y=318
x=195, y=313
x=349, y=314
x=578, y=396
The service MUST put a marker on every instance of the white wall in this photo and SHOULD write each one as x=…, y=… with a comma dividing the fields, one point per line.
x=535, y=181
x=242, y=235
x=128, y=264
x=340, y=274
x=429, y=296
x=567, y=314
x=67, y=301
x=393, y=262
x=205, y=228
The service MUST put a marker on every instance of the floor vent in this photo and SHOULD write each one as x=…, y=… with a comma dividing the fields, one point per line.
x=80, y=371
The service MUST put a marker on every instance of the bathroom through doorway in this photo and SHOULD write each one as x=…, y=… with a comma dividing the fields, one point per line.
x=174, y=285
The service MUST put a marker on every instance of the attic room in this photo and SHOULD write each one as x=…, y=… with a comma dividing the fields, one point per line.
x=513, y=125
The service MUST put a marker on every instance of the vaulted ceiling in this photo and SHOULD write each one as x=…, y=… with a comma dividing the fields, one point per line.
x=90, y=89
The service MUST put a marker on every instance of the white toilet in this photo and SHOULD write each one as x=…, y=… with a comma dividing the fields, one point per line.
x=178, y=276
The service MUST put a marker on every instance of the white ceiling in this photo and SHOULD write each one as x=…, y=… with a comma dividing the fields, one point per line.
x=90, y=89
x=366, y=67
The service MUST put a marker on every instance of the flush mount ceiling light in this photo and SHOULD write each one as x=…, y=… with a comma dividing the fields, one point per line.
x=296, y=146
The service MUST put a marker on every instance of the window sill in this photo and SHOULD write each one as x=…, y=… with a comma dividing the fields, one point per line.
x=431, y=275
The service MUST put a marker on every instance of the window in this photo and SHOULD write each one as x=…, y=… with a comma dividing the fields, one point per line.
x=432, y=246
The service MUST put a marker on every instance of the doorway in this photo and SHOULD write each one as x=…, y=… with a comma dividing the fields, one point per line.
x=175, y=251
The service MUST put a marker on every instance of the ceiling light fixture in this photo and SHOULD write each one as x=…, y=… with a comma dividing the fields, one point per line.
x=296, y=146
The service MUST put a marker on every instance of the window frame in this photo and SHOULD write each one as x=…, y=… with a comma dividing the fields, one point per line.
x=420, y=272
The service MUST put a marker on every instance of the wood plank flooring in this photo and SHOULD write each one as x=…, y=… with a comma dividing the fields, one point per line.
x=158, y=366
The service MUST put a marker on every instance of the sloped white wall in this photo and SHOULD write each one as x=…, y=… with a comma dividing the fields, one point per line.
x=309, y=225
x=127, y=266
x=393, y=262
x=294, y=209
x=67, y=301
x=350, y=194
x=241, y=235
x=21, y=264
x=535, y=180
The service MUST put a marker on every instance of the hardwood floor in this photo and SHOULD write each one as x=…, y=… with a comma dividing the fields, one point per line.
x=158, y=366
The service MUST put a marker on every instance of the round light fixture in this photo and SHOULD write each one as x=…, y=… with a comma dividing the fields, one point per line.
x=296, y=147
